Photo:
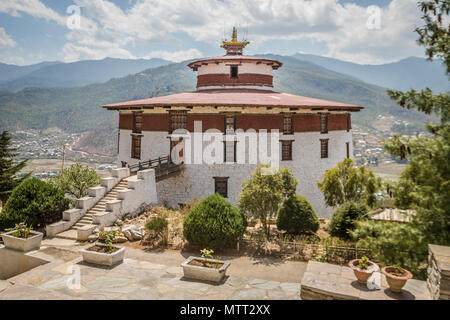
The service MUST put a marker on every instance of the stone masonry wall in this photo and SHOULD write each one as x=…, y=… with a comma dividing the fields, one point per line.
x=438, y=279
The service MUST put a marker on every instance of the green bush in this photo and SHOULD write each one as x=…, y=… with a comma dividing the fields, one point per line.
x=214, y=223
x=297, y=216
x=35, y=202
x=156, y=226
x=344, y=218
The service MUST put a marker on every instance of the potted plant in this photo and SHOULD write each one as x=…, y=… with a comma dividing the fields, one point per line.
x=363, y=268
x=205, y=268
x=104, y=254
x=22, y=238
x=396, y=277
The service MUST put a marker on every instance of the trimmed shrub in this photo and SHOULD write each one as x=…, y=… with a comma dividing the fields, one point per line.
x=214, y=223
x=35, y=202
x=297, y=216
x=156, y=226
x=344, y=218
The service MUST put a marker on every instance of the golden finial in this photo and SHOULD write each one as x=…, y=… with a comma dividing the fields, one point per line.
x=234, y=46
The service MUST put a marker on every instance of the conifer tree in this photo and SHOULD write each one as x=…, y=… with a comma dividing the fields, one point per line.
x=9, y=167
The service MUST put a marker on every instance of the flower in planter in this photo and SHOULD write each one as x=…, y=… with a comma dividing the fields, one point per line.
x=109, y=238
x=21, y=230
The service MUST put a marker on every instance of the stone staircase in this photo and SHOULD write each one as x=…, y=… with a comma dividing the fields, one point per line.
x=87, y=219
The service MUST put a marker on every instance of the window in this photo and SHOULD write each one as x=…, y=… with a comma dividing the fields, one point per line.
x=230, y=122
x=229, y=151
x=136, y=146
x=173, y=144
x=287, y=124
x=347, y=145
x=221, y=186
x=324, y=148
x=234, y=72
x=118, y=142
x=137, y=122
x=349, y=122
x=286, y=150
x=323, y=123
x=178, y=120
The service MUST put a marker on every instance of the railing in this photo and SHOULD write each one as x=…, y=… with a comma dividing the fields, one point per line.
x=163, y=166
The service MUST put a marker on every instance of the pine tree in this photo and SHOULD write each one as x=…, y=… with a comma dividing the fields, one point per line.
x=8, y=167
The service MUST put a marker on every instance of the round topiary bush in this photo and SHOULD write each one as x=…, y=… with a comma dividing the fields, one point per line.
x=214, y=223
x=35, y=202
x=344, y=218
x=297, y=216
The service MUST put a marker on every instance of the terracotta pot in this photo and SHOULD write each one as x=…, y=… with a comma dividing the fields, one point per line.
x=396, y=283
x=362, y=275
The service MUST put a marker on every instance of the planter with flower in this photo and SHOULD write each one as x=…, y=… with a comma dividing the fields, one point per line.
x=105, y=254
x=363, y=268
x=396, y=277
x=22, y=238
x=206, y=267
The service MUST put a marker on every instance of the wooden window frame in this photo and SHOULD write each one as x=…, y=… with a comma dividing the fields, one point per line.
x=234, y=67
x=134, y=153
x=177, y=120
x=324, y=148
x=288, y=128
x=323, y=122
x=347, y=146
x=286, y=150
x=218, y=180
x=225, y=151
x=173, y=144
x=137, y=122
x=228, y=116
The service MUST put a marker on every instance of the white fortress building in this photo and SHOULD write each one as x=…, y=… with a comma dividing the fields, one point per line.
x=234, y=95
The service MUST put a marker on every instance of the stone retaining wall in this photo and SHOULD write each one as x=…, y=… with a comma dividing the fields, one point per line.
x=438, y=280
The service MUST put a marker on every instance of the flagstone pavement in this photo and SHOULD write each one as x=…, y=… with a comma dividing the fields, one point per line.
x=135, y=279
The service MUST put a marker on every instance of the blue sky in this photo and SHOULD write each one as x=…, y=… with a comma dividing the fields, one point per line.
x=362, y=31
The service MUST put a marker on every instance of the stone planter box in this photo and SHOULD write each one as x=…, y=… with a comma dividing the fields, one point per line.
x=204, y=273
x=104, y=259
x=23, y=244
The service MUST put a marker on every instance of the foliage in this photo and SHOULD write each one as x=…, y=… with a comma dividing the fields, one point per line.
x=394, y=244
x=214, y=223
x=8, y=168
x=435, y=35
x=207, y=254
x=76, y=180
x=297, y=216
x=344, y=218
x=263, y=193
x=345, y=183
x=34, y=202
x=109, y=238
x=20, y=230
x=425, y=184
x=157, y=226
x=363, y=263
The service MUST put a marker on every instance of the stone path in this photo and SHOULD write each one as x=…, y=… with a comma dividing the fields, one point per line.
x=134, y=279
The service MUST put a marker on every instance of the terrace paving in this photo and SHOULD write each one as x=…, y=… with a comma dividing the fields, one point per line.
x=139, y=278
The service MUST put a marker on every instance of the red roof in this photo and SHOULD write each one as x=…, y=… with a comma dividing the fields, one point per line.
x=235, y=97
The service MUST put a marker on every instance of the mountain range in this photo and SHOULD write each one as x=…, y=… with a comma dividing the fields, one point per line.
x=81, y=73
x=77, y=109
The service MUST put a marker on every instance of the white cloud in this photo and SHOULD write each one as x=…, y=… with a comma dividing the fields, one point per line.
x=107, y=29
x=33, y=8
x=176, y=56
x=5, y=40
x=72, y=53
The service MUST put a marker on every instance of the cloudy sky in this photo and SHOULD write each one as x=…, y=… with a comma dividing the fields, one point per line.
x=32, y=31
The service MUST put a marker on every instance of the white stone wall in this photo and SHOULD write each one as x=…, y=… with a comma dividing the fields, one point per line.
x=244, y=67
x=196, y=180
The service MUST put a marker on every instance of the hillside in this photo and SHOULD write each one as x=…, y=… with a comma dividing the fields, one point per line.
x=78, y=109
x=61, y=75
x=405, y=74
x=9, y=72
